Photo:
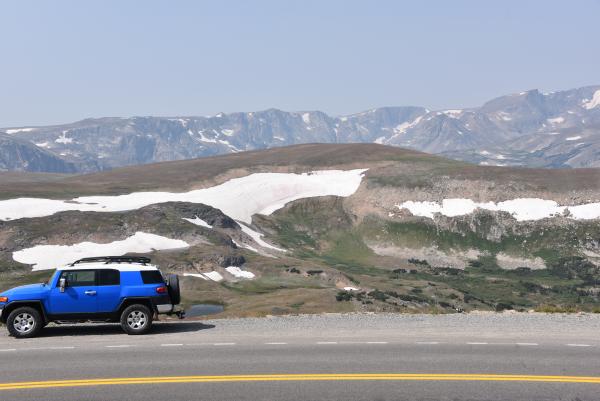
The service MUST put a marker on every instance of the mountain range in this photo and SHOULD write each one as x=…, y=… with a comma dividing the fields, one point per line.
x=532, y=129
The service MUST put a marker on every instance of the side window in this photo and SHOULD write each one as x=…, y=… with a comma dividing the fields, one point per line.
x=152, y=277
x=79, y=278
x=108, y=277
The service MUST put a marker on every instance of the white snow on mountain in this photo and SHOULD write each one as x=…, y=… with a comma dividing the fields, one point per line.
x=64, y=139
x=257, y=237
x=17, y=130
x=595, y=102
x=573, y=138
x=521, y=209
x=197, y=275
x=262, y=193
x=452, y=113
x=239, y=273
x=214, y=276
x=199, y=222
x=52, y=256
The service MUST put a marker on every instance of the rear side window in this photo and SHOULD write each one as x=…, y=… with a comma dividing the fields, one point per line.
x=108, y=277
x=79, y=278
x=151, y=277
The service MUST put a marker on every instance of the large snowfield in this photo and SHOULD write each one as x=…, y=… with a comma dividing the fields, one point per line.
x=44, y=257
x=239, y=198
x=522, y=209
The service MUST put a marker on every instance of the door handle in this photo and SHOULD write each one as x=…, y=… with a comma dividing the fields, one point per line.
x=90, y=292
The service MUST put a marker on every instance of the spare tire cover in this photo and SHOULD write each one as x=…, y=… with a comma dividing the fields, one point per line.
x=173, y=286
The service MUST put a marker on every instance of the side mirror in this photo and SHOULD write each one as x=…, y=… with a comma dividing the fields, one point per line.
x=62, y=283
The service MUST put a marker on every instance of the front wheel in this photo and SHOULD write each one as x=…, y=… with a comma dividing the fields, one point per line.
x=136, y=319
x=25, y=322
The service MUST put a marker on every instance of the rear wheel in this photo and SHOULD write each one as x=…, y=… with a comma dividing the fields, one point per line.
x=136, y=319
x=24, y=322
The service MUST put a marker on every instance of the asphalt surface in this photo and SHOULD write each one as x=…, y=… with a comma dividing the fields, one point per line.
x=548, y=357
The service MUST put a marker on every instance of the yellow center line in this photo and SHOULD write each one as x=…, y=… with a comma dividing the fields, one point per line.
x=300, y=377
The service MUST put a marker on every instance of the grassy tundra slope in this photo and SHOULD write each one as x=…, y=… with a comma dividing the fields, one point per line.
x=363, y=252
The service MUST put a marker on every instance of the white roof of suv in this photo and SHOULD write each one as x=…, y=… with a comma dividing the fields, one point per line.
x=123, y=267
x=121, y=263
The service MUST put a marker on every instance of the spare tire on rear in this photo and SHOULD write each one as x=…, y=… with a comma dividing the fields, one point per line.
x=173, y=286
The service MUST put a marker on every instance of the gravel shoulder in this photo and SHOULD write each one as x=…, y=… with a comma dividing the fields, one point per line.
x=396, y=328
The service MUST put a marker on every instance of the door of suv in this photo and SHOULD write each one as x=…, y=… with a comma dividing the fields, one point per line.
x=109, y=290
x=79, y=296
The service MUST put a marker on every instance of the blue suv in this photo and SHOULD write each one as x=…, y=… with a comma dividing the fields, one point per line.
x=121, y=289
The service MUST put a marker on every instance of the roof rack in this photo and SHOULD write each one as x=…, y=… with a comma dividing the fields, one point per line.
x=114, y=259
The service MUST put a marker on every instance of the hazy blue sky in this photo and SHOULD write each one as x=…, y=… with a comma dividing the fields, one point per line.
x=62, y=61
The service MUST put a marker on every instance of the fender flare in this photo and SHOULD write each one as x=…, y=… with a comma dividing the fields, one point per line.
x=15, y=304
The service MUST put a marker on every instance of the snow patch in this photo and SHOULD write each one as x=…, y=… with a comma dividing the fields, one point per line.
x=257, y=237
x=595, y=102
x=246, y=246
x=262, y=193
x=306, y=118
x=198, y=275
x=521, y=209
x=380, y=140
x=204, y=138
x=227, y=132
x=573, y=138
x=402, y=128
x=44, y=257
x=239, y=273
x=198, y=221
x=42, y=145
x=351, y=289
x=557, y=120
x=214, y=276
x=504, y=116
x=17, y=130
x=63, y=139
x=453, y=113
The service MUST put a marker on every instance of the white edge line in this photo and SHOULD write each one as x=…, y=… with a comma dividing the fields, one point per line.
x=476, y=343
x=275, y=343
x=223, y=344
x=171, y=345
x=326, y=342
x=578, y=345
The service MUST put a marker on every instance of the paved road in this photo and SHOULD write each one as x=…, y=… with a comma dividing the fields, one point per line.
x=333, y=357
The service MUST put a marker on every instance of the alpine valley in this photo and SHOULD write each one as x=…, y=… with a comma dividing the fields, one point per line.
x=324, y=227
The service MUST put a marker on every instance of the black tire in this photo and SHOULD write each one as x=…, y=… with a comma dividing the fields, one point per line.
x=173, y=286
x=136, y=319
x=24, y=322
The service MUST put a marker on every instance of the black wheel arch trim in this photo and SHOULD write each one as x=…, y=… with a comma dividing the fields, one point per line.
x=9, y=307
x=131, y=300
